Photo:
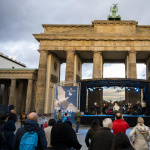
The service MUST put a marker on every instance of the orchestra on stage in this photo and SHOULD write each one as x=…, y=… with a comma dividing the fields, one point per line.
x=140, y=108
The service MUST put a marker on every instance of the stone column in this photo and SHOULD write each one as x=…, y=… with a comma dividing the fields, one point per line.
x=41, y=82
x=5, y=95
x=29, y=96
x=131, y=71
x=12, y=92
x=23, y=103
x=148, y=68
x=97, y=65
x=69, y=76
x=19, y=98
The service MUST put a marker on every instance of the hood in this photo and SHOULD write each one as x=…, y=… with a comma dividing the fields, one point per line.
x=31, y=125
x=9, y=125
x=142, y=128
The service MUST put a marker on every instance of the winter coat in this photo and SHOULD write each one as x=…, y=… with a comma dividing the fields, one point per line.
x=23, y=117
x=48, y=135
x=7, y=135
x=59, y=118
x=120, y=126
x=103, y=139
x=77, y=117
x=30, y=125
x=13, y=117
x=63, y=137
x=141, y=140
x=88, y=137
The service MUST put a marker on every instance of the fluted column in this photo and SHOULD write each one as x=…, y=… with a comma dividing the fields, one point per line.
x=131, y=65
x=29, y=96
x=12, y=92
x=97, y=65
x=69, y=76
x=41, y=82
x=5, y=95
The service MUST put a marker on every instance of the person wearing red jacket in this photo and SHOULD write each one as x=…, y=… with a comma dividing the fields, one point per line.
x=119, y=124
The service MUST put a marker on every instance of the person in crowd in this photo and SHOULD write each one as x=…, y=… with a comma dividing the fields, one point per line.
x=121, y=142
x=31, y=124
x=7, y=135
x=103, y=139
x=42, y=120
x=13, y=116
x=3, y=118
x=59, y=118
x=47, y=130
x=23, y=118
x=119, y=124
x=77, y=118
x=142, y=135
x=63, y=137
x=45, y=125
x=92, y=131
x=66, y=118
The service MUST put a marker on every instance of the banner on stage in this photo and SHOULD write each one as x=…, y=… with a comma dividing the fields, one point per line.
x=66, y=101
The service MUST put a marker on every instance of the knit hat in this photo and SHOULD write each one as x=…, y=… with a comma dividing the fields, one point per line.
x=140, y=120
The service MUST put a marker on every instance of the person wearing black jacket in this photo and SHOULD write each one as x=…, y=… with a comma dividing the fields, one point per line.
x=13, y=116
x=103, y=139
x=7, y=135
x=31, y=125
x=63, y=137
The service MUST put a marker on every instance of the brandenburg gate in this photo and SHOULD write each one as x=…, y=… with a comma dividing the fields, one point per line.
x=101, y=42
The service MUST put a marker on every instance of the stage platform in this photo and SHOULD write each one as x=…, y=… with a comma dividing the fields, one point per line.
x=130, y=119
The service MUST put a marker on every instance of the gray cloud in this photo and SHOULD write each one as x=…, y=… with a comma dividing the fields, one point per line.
x=20, y=19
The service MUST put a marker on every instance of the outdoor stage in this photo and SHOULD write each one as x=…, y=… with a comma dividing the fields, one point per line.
x=130, y=119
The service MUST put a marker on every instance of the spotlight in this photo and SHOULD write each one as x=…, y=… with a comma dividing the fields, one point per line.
x=99, y=89
x=128, y=89
x=137, y=90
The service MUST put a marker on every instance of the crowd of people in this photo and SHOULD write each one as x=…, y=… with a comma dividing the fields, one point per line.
x=59, y=135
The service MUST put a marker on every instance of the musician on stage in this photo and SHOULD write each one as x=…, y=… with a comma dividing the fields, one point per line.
x=115, y=108
x=104, y=109
x=96, y=108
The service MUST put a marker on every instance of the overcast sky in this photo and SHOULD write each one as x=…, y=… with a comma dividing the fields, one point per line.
x=19, y=19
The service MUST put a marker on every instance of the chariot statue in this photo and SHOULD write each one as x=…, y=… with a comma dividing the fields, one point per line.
x=114, y=10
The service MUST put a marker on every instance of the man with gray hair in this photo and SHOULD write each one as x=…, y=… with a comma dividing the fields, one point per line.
x=31, y=126
x=103, y=139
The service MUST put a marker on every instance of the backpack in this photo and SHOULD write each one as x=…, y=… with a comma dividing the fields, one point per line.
x=29, y=141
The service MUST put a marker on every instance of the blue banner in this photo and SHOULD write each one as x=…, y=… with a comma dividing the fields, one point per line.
x=66, y=101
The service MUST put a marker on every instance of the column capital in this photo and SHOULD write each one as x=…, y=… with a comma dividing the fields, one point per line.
x=43, y=51
x=99, y=52
x=132, y=51
x=70, y=51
